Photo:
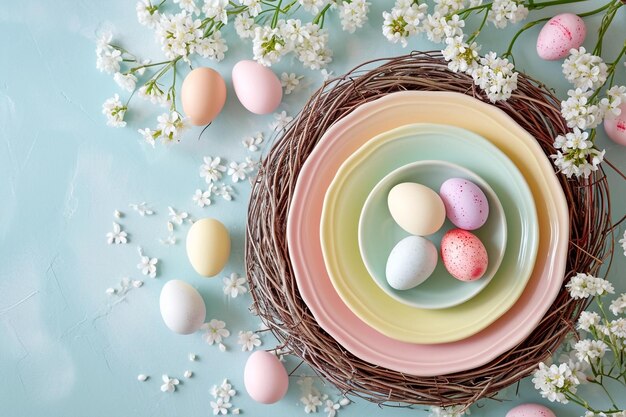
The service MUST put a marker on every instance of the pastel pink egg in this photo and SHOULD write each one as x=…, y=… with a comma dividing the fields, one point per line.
x=265, y=378
x=466, y=205
x=257, y=87
x=560, y=34
x=530, y=410
x=616, y=128
x=464, y=255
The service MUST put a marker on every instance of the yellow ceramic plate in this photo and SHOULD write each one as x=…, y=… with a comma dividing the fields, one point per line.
x=339, y=232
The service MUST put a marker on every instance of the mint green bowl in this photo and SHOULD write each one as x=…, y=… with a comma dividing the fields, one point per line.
x=379, y=233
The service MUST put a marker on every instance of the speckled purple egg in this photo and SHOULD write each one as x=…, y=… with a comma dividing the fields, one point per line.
x=466, y=204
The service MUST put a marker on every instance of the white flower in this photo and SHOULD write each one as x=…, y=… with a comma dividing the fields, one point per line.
x=585, y=285
x=578, y=112
x=460, y=55
x=178, y=34
x=331, y=408
x=233, y=285
x=504, y=11
x=244, y=26
x=117, y=236
x=281, y=120
x=587, y=320
x=114, y=110
x=216, y=9
x=326, y=74
x=220, y=406
x=250, y=164
x=212, y=47
x=142, y=208
x=214, y=331
x=103, y=43
x=248, y=340
x=290, y=82
x=225, y=191
x=584, y=70
x=237, y=171
x=313, y=6
x=310, y=402
x=454, y=411
x=496, y=77
x=149, y=136
x=610, y=105
x=125, y=81
x=254, y=7
x=189, y=5
x=588, y=350
x=147, y=14
x=202, y=198
x=268, y=46
x=446, y=7
x=169, y=384
x=212, y=169
x=555, y=381
x=147, y=265
x=177, y=217
x=618, y=306
x=171, y=125
x=224, y=391
x=618, y=328
x=353, y=14
x=151, y=91
x=108, y=59
x=309, y=43
x=403, y=21
x=252, y=142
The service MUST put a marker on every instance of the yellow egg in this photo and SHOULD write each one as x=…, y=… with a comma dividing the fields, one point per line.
x=203, y=95
x=208, y=246
x=416, y=208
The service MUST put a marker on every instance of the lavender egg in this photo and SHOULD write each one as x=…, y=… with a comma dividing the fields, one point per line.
x=466, y=204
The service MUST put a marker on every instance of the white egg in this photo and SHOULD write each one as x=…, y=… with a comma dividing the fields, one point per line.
x=411, y=262
x=182, y=307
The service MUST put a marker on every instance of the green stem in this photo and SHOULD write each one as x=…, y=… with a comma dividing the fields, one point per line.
x=276, y=14
x=475, y=34
x=610, y=77
x=134, y=69
x=604, y=26
x=539, y=6
x=320, y=15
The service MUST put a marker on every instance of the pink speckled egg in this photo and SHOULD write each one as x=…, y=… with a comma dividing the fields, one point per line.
x=464, y=255
x=616, y=128
x=265, y=378
x=466, y=204
x=560, y=34
x=530, y=410
x=257, y=87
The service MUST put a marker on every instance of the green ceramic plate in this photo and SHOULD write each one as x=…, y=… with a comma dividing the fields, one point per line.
x=379, y=233
x=339, y=232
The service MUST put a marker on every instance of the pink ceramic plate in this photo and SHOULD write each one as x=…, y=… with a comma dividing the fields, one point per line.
x=303, y=226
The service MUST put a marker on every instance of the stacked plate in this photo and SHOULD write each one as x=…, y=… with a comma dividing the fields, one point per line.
x=340, y=233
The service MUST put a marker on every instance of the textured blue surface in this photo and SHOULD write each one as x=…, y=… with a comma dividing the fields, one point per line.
x=68, y=349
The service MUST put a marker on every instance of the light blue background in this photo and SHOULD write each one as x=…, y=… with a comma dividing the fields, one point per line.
x=68, y=349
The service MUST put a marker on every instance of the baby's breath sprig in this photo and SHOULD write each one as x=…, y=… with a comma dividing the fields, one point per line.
x=191, y=30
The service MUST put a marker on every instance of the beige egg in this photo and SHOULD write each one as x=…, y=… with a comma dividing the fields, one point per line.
x=416, y=208
x=203, y=95
x=208, y=246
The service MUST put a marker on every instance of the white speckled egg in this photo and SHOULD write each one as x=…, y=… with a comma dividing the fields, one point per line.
x=416, y=208
x=410, y=262
x=257, y=87
x=265, y=378
x=464, y=255
x=467, y=206
x=615, y=128
x=530, y=410
x=560, y=34
x=182, y=307
x=208, y=246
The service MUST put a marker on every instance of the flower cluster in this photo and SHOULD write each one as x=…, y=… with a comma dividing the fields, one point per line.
x=584, y=110
x=492, y=74
x=189, y=29
x=596, y=353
